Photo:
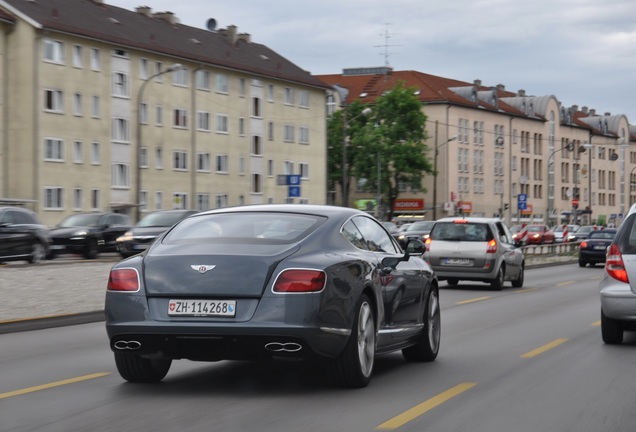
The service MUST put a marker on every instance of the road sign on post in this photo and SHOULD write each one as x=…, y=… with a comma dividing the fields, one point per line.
x=522, y=201
x=575, y=202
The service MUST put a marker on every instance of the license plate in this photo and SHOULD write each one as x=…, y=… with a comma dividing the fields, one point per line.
x=457, y=261
x=600, y=247
x=202, y=308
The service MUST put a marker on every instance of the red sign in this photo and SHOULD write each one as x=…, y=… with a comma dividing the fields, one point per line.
x=575, y=202
x=408, y=204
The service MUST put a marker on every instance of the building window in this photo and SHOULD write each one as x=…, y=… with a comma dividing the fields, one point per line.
x=256, y=184
x=121, y=86
x=95, y=199
x=158, y=200
x=53, y=51
x=143, y=200
x=303, y=133
x=241, y=87
x=143, y=113
x=289, y=133
x=304, y=170
x=77, y=104
x=288, y=167
x=121, y=130
x=180, y=118
x=270, y=131
x=95, y=111
x=222, y=123
x=77, y=199
x=203, y=162
x=203, y=121
x=221, y=164
x=78, y=153
x=222, y=85
x=288, y=96
x=54, y=150
x=96, y=157
x=241, y=126
x=256, y=107
x=303, y=99
x=257, y=146
x=179, y=201
x=241, y=165
x=118, y=52
x=120, y=176
x=270, y=92
x=53, y=101
x=180, y=160
x=77, y=56
x=143, y=157
x=180, y=77
x=203, y=80
x=159, y=115
x=221, y=200
x=270, y=168
x=159, y=158
x=96, y=60
x=143, y=68
x=203, y=202
x=53, y=198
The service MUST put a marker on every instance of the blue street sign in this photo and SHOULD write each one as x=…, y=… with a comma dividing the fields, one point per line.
x=293, y=179
x=294, y=192
x=522, y=205
x=522, y=198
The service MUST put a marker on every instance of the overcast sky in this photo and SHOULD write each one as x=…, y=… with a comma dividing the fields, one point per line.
x=581, y=51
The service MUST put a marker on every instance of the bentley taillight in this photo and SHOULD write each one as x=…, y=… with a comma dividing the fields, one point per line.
x=300, y=281
x=614, y=265
x=126, y=279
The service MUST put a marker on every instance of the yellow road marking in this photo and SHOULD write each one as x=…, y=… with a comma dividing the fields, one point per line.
x=53, y=384
x=596, y=323
x=525, y=290
x=472, y=300
x=544, y=348
x=566, y=283
x=424, y=407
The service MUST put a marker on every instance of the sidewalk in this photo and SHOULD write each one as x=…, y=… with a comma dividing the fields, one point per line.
x=73, y=292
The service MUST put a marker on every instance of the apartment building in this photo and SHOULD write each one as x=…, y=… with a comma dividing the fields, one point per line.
x=108, y=109
x=527, y=158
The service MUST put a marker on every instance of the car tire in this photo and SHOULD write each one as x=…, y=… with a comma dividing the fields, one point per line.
x=518, y=283
x=611, y=330
x=427, y=347
x=38, y=253
x=582, y=263
x=498, y=281
x=91, y=249
x=452, y=281
x=137, y=369
x=354, y=367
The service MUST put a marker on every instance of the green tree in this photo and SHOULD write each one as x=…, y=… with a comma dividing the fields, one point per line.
x=336, y=137
x=390, y=150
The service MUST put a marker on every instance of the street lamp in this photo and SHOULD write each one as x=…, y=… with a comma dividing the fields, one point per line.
x=172, y=68
x=569, y=147
x=435, y=172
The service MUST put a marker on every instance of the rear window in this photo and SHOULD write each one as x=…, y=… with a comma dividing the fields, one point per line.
x=244, y=227
x=449, y=231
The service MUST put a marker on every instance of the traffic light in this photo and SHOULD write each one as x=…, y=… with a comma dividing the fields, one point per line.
x=506, y=207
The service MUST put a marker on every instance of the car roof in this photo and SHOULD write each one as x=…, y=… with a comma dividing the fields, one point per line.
x=471, y=219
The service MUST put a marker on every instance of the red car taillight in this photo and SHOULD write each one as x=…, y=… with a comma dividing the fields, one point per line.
x=427, y=243
x=123, y=280
x=300, y=281
x=614, y=265
x=583, y=245
x=492, y=246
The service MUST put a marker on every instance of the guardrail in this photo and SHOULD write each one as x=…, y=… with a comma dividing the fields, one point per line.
x=551, y=249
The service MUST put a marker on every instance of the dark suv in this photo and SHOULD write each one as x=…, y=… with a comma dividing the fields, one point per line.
x=89, y=234
x=22, y=236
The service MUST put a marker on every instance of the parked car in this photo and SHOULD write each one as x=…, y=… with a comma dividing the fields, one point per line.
x=618, y=285
x=139, y=237
x=593, y=249
x=581, y=233
x=22, y=236
x=89, y=234
x=474, y=249
x=415, y=231
x=539, y=234
x=293, y=282
x=559, y=231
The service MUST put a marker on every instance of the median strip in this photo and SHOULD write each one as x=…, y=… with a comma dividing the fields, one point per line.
x=424, y=407
x=53, y=384
x=544, y=348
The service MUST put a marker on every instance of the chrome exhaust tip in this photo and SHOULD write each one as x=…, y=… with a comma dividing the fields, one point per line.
x=123, y=345
x=283, y=347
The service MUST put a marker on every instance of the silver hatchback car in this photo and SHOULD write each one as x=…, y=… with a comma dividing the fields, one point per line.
x=618, y=286
x=474, y=249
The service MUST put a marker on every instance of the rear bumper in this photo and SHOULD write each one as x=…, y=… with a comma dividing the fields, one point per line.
x=617, y=300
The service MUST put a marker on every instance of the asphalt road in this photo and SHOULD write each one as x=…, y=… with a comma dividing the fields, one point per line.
x=520, y=360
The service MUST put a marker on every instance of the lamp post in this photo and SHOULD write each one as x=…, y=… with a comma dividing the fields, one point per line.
x=172, y=68
x=569, y=147
x=437, y=146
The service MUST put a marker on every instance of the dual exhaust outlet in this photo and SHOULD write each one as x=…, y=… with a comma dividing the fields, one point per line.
x=133, y=345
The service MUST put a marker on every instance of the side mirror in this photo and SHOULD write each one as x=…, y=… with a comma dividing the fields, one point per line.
x=415, y=247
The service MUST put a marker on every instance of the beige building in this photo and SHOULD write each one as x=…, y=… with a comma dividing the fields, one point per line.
x=104, y=108
x=539, y=161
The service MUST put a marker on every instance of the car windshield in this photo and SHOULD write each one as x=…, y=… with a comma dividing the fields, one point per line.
x=535, y=229
x=450, y=231
x=585, y=230
x=419, y=226
x=81, y=220
x=604, y=235
x=244, y=227
x=161, y=219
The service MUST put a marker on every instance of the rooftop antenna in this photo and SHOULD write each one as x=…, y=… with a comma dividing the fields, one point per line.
x=386, y=45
